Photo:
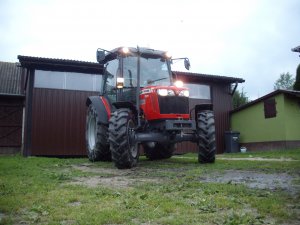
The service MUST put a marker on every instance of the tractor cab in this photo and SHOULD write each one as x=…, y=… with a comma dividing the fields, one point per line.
x=129, y=69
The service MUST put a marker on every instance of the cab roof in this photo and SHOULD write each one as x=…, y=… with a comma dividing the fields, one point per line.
x=144, y=52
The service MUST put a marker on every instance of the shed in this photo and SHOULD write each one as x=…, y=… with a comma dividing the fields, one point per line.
x=270, y=122
x=56, y=91
x=11, y=108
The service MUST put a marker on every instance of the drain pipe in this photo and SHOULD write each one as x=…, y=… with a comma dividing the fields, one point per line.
x=234, y=89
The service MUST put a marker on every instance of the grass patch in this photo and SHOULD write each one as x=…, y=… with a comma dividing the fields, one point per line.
x=37, y=190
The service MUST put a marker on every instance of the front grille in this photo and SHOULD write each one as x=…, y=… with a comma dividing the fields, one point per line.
x=173, y=104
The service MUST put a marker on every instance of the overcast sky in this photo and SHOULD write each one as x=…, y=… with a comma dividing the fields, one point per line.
x=249, y=39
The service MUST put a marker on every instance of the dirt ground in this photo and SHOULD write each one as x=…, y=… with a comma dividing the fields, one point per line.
x=125, y=178
x=254, y=179
x=260, y=159
x=109, y=177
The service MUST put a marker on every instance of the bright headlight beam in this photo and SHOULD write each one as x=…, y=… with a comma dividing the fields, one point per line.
x=162, y=92
x=165, y=92
x=168, y=55
x=125, y=50
x=178, y=83
x=186, y=93
x=120, y=82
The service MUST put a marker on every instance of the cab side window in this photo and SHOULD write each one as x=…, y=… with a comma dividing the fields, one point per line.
x=112, y=68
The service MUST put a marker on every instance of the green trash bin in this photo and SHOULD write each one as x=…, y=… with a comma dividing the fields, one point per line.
x=232, y=141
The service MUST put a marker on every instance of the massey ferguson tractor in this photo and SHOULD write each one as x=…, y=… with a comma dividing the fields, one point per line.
x=141, y=103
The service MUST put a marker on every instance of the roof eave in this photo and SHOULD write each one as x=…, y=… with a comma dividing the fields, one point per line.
x=12, y=95
x=279, y=91
x=208, y=77
x=59, y=64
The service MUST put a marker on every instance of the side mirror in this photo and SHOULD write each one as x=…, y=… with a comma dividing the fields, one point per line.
x=100, y=55
x=187, y=64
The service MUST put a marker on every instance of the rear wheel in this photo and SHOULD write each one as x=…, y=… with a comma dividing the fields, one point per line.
x=125, y=154
x=159, y=151
x=96, y=137
x=207, y=137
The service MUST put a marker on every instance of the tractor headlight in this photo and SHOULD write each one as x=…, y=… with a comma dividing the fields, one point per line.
x=120, y=82
x=184, y=93
x=165, y=92
x=178, y=83
x=168, y=55
x=125, y=50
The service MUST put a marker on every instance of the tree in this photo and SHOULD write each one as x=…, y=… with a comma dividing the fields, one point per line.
x=297, y=82
x=285, y=81
x=239, y=98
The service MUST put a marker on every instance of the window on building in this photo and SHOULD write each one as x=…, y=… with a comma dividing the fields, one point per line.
x=67, y=80
x=199, y=91
x=49, y=79
x=270, y=108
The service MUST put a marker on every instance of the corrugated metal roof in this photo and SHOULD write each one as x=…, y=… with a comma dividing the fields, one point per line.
x=10, y=79
x=208, y=77
x=60, y=64
x=55, y=60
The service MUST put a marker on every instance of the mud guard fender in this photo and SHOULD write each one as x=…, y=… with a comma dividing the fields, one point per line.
x=102, y=106
x=202, y=107
x=128, y=105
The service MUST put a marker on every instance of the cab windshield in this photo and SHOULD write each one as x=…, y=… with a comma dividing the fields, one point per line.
x=154, y=71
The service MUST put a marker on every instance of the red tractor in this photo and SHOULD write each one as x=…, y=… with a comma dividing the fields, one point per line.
x=142, y=103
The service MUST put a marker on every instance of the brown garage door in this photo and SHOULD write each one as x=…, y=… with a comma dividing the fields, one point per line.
x=11, y=112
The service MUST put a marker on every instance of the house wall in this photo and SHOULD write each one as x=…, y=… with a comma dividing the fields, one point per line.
x=259, y=133
x=292, y=118
x=254, y=127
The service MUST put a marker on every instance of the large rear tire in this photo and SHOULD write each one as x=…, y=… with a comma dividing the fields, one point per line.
x=125, y=154
x=207, y=137
x=96, y=137
x=159, y=151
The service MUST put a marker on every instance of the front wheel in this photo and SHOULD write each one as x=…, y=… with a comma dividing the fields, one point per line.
x=207, y=137
x=122, y=124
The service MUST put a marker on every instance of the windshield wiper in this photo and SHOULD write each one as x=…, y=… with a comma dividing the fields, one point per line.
x=153, y=81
